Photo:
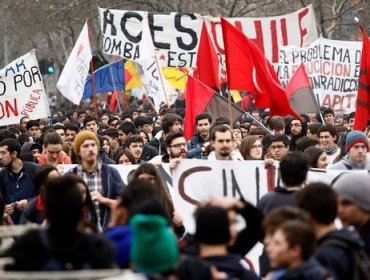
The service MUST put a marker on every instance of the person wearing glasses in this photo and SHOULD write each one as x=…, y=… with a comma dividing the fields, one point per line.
x=277, y=147
x=297, y=129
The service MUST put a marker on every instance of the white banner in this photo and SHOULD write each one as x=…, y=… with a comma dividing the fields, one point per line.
x=333, y=68
x=176, y=35
x=22, y=91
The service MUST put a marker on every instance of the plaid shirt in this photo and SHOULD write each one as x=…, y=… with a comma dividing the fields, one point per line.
x=94, y=183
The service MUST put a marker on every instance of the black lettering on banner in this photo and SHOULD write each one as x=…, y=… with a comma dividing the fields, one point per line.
x=181, y=184
x=257, y=184
x=108, y=18
x=19, y=64
x=133, y=38
x=153, y=28
x=193, y=35
x=2, y=88
x=170, y=58
x=127, y=50
x=235, y=186
x=8, y=70
x=35, y=73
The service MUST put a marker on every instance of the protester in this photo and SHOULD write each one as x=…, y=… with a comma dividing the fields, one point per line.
x=327, y=136
x=317, y=157
x=16, y=184
x=199, y=143
x=277, y=147
x=52, y=150
x=251, y=148
x=297, y=129
x=61, y=246
x=222, y=142
x=356, y=149
x=354, y=203
x=134, y=144
x=104, y=181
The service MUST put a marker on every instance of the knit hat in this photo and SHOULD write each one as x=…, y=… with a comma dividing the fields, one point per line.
x=154, y=246
x=355, y=188
x=355, y=137
x=212, y=225
x=81, y=137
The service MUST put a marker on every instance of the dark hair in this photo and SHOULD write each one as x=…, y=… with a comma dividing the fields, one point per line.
x=58, y=126
x=71, y=126
x=314, y=128
x=328, y=128
x=203, y=116
x=257, y=131
x=276, y=122
x=111, y=132
x=222, y=121
x=13, y=146
x=135, y=192
x=14, y=130
x=172, y=136
x=127, y=153
x=127, y=127
x=112, y=119
x=32, y=123
x=90, y=119
x=319, y=200
x=279, y=215
x=169, y=120
x=313, y=153
x=327, y=111
x=22, y=138
x=160, y=185
x=52, y=138
x=142, y=120
x=219, y=128
x=305, y=142
x=278, y=138
x=301, y=234
x=126, y=115
x=6, y=133
x=133, y=139
x=293, y=168
x=63, y=204
x=40, y=177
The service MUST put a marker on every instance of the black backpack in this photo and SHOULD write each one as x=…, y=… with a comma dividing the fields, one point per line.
x=360, y=260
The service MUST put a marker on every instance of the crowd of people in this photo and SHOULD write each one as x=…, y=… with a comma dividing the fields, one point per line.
x=89, y=219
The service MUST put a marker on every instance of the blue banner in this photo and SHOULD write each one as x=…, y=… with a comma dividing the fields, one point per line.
x=108, y=78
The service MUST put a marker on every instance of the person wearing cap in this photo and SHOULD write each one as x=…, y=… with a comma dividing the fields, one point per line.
x=353, y=191
x=104, y=181
x=356, y=148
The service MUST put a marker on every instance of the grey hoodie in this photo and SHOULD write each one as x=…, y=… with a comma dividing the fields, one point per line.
x=347, y=164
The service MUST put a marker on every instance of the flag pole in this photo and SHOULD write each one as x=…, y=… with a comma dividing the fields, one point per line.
x=320, y=113
x=260, y=123
x=92, y=75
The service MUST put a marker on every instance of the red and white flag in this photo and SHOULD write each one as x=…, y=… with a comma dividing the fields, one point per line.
x=71, y=82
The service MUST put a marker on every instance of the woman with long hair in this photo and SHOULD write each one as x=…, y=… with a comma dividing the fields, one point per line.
x=147, y=171
x=125, y=157
x=251, y=148
x=317, y=157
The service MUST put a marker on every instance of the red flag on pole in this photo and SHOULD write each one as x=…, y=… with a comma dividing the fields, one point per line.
x=113, y=102
x=200, y=98
x=300, y=93
x=362, y=114
x=248, y=69
x=207, y=61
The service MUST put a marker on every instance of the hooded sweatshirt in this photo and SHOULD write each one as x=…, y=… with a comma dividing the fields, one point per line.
x=347, y=164
x=62, y=159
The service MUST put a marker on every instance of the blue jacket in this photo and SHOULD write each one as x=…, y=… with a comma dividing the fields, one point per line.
x=15, y=189
x=195, y=146
x=112, y=186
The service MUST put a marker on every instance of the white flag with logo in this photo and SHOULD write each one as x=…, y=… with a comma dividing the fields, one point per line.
x=155, y=82
x=71, y=82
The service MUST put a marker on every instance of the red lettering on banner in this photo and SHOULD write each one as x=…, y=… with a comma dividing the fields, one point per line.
x=284, y=32
x=32, y=102
x=259, y=35
x=274, y=42
x=339, y=102
x=303, y=31
x=8, y=109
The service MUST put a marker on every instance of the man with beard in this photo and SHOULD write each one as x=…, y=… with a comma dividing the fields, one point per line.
x=298, y=129
x=223, y=144
x=16, y=184
x=176, y=149
x=198, y=144
x=103, y=181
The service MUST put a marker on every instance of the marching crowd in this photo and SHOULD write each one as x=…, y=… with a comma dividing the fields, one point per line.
x=89, y=219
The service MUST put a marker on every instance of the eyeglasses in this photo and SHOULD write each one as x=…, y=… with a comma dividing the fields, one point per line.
x=179, y=145
x=259, y=146
x=279, y=147
x=295, y=125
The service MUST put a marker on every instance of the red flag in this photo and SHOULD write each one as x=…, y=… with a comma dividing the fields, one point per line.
x=248, y=69
x=300, y=93
x=362, y=114
x=200, y=98
x=113, y=102
x=207, y=61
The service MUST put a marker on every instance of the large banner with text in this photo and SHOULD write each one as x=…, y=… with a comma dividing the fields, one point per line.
x=22, y=91
x=176, y=35
x=333, y=68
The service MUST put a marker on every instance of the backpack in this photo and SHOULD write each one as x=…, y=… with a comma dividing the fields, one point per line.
x=360, y=260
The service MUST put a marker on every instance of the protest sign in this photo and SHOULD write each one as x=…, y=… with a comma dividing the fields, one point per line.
x=333, y=68
x=176, y=35
x=22, y=91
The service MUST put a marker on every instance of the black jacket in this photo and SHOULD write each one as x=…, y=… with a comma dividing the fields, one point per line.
x=336, y=259
x=309, y=270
